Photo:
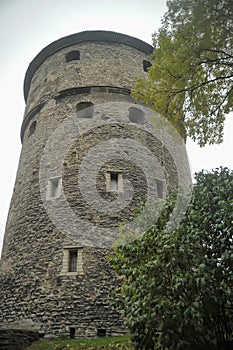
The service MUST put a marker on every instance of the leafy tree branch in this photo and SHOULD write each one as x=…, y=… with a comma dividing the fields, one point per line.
x=191, y=79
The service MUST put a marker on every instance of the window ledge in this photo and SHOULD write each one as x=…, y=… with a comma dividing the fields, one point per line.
x=71, y=274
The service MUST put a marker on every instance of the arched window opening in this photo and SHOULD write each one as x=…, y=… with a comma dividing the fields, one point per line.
x=73, y=56
x=136, y=115
x=85, y=109
x=146, y=65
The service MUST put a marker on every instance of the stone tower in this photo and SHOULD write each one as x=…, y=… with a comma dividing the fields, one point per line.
x=81, y=153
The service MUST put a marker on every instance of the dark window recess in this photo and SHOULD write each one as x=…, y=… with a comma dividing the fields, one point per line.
x=32, y=128
x=114, y=181
x=72, y=333
x=146, y=65
x=73, y=260
x=73, y=56
x=159, y=185
x=101, y=332
x=136, y=115
x=85, y=109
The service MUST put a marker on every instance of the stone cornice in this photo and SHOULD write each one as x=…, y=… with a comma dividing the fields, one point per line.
x=95, y=35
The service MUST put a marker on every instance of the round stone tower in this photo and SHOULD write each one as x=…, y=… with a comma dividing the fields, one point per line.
x=81, y=175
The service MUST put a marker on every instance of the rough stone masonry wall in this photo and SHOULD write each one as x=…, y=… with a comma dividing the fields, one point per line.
x=100, y=64
x=33, y=289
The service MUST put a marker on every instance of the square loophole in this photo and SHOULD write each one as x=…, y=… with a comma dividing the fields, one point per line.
x=101, y=332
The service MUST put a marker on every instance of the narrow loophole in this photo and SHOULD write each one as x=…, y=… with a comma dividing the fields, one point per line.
x=72, y=333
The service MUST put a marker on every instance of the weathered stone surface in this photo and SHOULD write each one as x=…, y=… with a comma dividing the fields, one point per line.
x=33, y=288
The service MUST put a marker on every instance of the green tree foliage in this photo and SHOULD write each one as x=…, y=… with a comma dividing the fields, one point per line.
x=177, y=291
x=190, y=81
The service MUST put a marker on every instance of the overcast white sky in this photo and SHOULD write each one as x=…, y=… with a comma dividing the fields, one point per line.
x=27, y=26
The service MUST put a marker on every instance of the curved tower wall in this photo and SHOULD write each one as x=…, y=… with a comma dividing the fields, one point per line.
x=38, y=288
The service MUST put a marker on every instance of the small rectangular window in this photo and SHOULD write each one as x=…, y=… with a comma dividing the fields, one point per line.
x=101, y=332
x=54, y=188
x=73, y=260
x=72, y=332
x=114, y=181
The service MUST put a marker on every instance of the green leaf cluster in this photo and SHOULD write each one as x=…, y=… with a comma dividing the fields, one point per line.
x=191, y=79
x=177, y=290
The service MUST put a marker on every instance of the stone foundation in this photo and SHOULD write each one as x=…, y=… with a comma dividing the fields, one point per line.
x=16, y=339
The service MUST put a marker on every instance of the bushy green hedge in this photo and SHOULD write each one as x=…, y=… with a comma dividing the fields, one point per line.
x=178, y=286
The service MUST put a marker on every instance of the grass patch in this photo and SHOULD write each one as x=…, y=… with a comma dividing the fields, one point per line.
x=113, y=343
